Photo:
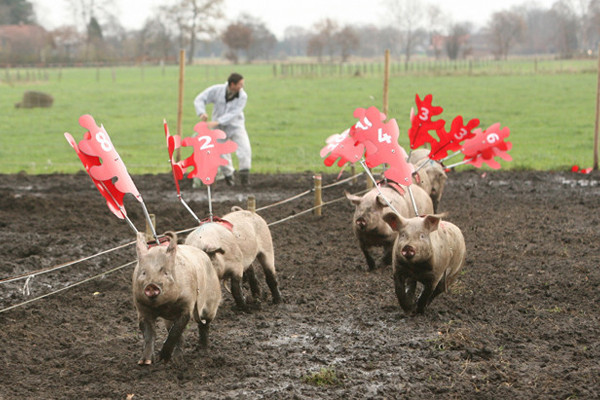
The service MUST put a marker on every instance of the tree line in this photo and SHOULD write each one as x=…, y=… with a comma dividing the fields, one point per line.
x=569, y=28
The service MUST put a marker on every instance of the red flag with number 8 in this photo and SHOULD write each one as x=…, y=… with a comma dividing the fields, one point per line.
x=96, y=146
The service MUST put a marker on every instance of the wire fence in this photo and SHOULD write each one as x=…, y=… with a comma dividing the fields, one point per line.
x=30, y=275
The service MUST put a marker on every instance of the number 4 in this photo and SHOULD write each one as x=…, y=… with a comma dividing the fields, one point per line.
x=383, y=137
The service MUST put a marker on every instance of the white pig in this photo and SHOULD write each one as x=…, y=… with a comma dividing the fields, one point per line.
x=233, y=249
x=427, y=250
x=432, y=175
x=175, y=283
x=368, y=225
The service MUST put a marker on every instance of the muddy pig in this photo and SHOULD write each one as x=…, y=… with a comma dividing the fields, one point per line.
x=368, y=225
x=427, y=250
x=175, y=283
x=232, y=249
x=432, y=175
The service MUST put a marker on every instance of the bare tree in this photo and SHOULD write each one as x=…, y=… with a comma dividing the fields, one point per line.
x=347, y=41
x=325, y=38
x=456, y=39
x=194, y=20
x=407, y=16
x=237, y=37
x=565, y=23
x=504, y=30
x=435, y=20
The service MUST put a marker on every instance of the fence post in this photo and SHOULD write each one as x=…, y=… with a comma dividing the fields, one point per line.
x=596, y=127
x=252, y=203
x=318, y=198
x=149, y=230
x=180, y=101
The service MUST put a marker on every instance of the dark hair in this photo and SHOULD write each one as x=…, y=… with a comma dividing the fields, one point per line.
x=234, y=78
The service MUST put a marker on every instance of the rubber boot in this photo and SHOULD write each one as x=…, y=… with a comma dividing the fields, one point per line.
x=244, y=177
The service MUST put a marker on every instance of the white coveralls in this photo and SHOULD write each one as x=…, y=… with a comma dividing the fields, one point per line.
x=230, y=115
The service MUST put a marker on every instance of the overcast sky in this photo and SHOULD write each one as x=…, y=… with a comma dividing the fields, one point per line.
x=280, y=14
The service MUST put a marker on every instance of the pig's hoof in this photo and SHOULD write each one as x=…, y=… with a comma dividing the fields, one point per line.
x=143, y=363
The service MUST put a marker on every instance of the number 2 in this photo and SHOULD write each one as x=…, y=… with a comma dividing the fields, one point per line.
x=205, y=142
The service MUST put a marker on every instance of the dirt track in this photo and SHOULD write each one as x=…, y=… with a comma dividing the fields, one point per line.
x=522, y=321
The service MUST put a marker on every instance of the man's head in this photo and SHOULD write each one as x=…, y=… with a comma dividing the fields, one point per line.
x=235, y=82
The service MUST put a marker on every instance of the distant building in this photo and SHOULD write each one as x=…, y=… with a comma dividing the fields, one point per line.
x=24, y=43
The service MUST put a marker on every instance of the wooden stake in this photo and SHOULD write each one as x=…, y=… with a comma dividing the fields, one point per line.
x=252, y=203
x=595, y=168
x=149, y=229
x=386, y=82
x=318, y=198
x=180, y=101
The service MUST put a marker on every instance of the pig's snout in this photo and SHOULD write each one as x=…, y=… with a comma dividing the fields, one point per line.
x=408, y=252
x=361, y=223
x=151, y=290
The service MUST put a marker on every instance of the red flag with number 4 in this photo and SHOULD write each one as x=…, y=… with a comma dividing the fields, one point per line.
x=95, y=146
x=206, y=157
x=381, y=144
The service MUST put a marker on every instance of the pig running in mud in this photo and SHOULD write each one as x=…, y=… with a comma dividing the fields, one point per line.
x=432, y=177
x=175, y=283
x=368, y=225
x=233, y=249
x=427, y=250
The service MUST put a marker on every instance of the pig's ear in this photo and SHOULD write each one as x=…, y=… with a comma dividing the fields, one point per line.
x=353, y=199
x=140, y=245
x=380, y=201
x=432, y=222
x=211, y=251
x=394, y=220
x=172, y=242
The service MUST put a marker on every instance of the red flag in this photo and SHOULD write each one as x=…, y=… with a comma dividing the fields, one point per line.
x=174, y=142
x=206, y=157
x=95, y=146
x=381, y=144
x=341, y=145
x=486, y=145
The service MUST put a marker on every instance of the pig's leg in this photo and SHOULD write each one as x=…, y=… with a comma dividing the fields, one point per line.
x=174, y=336
x=178, y=350
x=238, y=294
x=267, y=260
x=203, y=328
x=386, y=260
x=147, y=328
x=254, y=286
x=405, y=302
x=368, y=257
x=425, y=297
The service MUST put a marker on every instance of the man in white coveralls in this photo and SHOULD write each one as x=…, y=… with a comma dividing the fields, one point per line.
x=229, y=100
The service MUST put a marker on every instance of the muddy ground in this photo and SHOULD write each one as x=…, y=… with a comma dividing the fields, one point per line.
x=522, y=322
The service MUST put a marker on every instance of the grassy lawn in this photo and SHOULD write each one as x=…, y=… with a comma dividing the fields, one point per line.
x=551, y=115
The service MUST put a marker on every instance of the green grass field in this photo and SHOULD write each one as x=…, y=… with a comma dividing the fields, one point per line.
x=550, y=114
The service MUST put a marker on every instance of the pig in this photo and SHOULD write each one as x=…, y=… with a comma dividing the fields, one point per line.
x=368, y=225
x=175, y=283
x=427, y=250
x=432, y=176
x=233, y=249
